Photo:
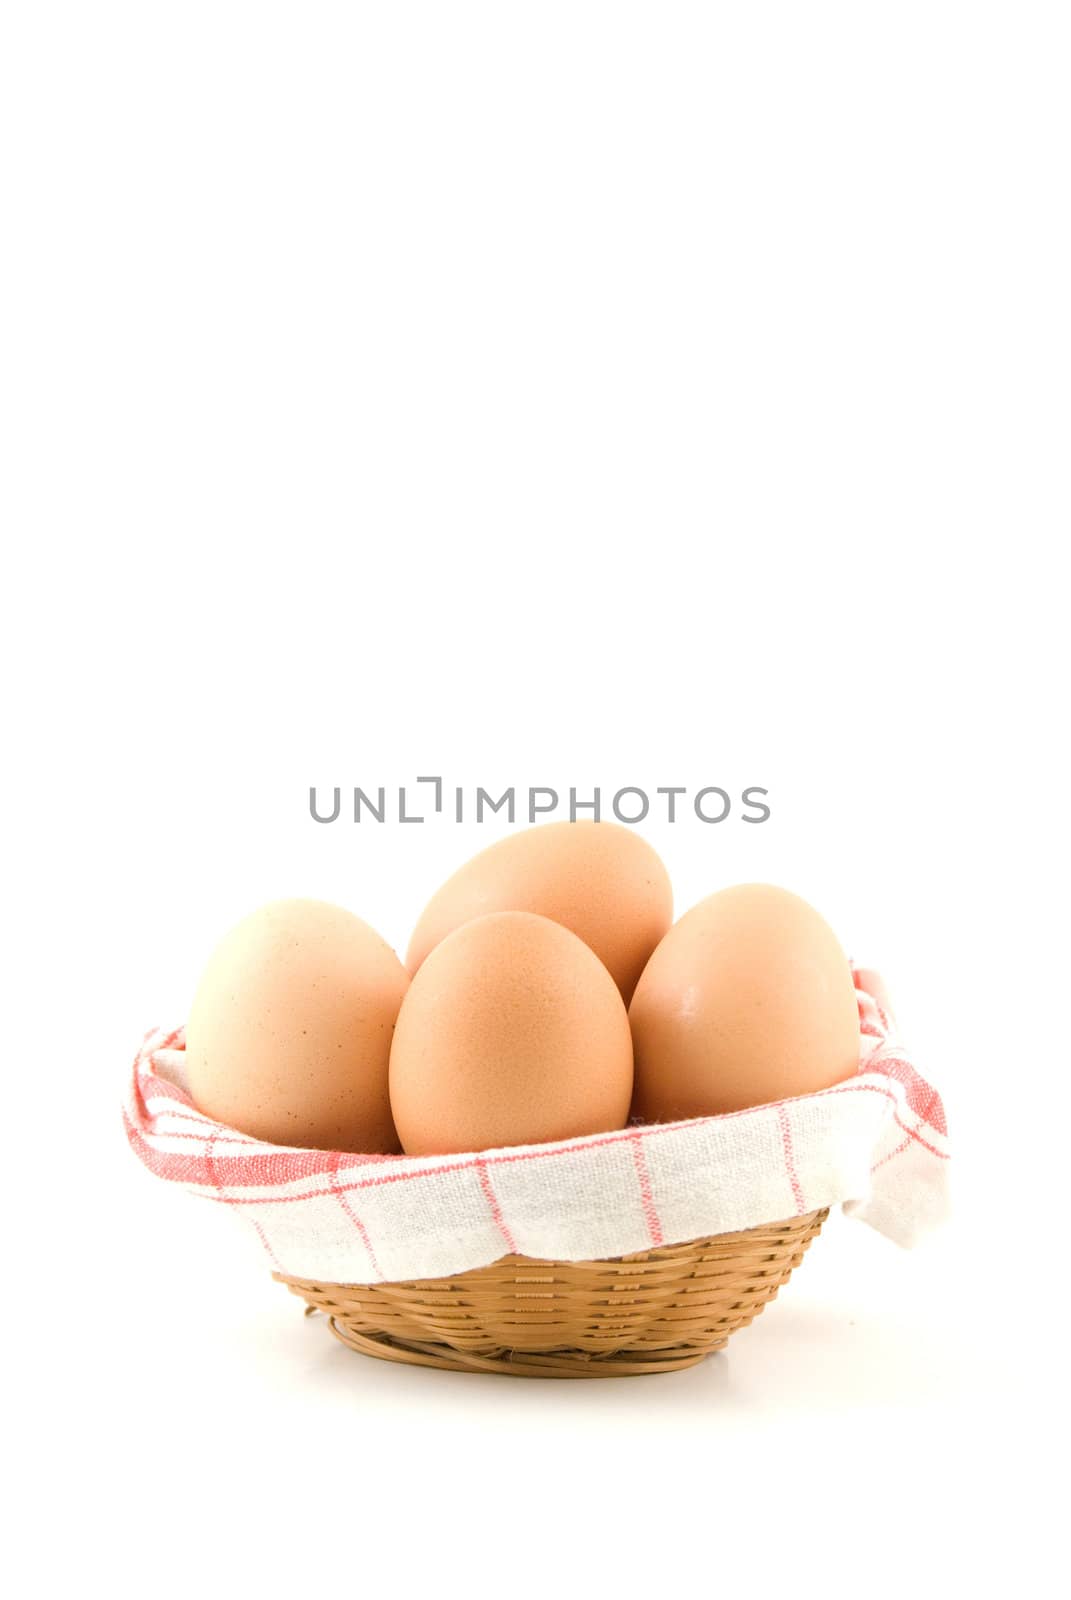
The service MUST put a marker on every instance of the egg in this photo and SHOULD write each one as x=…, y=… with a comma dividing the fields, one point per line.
x=598, y=879
x=289, y=1034
x=512, y=1032
x=748, y=999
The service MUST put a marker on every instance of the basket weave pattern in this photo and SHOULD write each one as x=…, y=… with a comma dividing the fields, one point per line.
x=654, y=1311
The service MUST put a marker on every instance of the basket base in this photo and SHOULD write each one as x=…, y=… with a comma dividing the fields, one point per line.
x=521, y=1363
x=655, y=1311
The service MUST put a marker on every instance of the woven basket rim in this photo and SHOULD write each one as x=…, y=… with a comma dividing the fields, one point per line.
x=665, y=1249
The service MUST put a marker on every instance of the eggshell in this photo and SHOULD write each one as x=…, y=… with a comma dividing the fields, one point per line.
x=598, y=879
x=512, y=1032
x=288, y=1038
x=748, y=999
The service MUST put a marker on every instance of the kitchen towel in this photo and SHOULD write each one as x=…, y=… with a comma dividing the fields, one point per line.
x=875, y=1144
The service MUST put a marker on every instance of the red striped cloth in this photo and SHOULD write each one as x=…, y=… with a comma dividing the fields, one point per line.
x=876, y=1144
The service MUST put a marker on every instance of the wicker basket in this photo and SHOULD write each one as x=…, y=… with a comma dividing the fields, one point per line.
x=650, y=1312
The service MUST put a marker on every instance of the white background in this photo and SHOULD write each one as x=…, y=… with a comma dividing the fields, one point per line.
x=574, y=394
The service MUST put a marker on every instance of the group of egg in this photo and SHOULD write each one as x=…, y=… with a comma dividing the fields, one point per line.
x=545, y=996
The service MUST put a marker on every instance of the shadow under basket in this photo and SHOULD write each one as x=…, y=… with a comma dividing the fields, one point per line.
x=655, y=1311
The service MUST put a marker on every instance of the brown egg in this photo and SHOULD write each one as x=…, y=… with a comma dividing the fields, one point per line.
x=512, y=1032
x=600, y=880
x=289, y=1035
x=748, y=999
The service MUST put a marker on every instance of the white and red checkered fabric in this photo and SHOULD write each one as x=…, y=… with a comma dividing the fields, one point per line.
x=876, y=1144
